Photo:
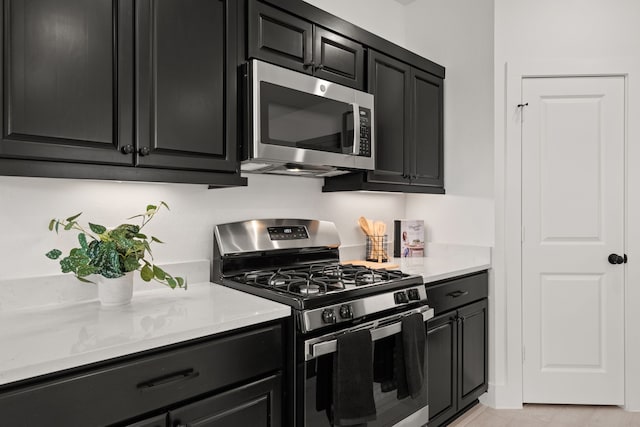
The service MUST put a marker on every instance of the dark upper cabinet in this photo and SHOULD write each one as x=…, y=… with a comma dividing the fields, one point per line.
x=390, y=84
x=139, y=90
x=409, y=125
x=67, y=83
x=426, y=166
x=284, y=39
x=278, y=37
x=186, y=83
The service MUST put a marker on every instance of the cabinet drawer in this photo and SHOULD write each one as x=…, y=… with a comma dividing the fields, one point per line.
x=128, y=389
x=445, y=296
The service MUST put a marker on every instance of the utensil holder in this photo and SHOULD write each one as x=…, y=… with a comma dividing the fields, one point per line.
x=376, y=249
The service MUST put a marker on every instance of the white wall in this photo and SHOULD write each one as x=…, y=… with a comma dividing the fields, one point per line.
x=384, y=18
x=458, y=34
x=29, y=203
x=568, y=32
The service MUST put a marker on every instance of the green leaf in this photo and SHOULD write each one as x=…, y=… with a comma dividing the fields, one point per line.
x=53, y=254
x=181, y=282
x=137, y=216
x=155, y=239
x=147, y=247
x=151, y=208
x=57, y=224
x=131, y=263
x=171, y=282
x=82, y=279
x=82, y=238
x=140, y=236
x=159, y=273
x=105, y=258
x=72, y=218
x=165, y=205
x=146, y=273
x=97, y=228
x=51, y=224
x=69, y=226
x=77, y=262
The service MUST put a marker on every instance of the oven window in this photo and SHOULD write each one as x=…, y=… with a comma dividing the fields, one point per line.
x=297, y=119
x=391, y=405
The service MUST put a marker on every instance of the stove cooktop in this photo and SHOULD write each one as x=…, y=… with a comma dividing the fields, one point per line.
x=318, y=279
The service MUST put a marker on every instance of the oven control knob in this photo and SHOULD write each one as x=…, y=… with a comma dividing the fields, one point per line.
x=346, y=312
x=400, y=297
x=328, y=315
x=414, y=294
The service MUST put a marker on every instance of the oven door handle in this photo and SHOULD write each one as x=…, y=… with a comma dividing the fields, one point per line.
x=321, y=348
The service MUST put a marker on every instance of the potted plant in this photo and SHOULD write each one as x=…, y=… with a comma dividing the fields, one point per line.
x=113, y=254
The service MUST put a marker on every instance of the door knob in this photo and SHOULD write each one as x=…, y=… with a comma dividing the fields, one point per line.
x=144, y=151
x=616, y=259
x=127, y=149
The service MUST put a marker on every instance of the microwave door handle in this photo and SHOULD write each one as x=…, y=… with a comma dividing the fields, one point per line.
x=356, y=128
x=328, y=347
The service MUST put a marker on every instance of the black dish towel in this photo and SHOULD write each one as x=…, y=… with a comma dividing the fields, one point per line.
x=413, y=345
x=353, y=401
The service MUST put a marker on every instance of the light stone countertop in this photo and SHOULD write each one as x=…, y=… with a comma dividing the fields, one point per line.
x=41, y=339
x=433, y=269
x=37, y=341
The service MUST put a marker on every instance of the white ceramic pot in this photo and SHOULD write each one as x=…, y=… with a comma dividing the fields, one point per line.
x=112, y=292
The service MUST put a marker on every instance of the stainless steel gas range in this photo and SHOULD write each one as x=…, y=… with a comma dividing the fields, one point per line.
x=358, y=353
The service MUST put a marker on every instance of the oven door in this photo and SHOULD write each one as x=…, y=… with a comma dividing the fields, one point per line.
x=391, y=409
x=298, y=118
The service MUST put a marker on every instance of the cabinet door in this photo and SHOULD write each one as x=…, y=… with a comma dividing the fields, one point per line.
x=338, y=59
x=67, y=84
x=257, y=405
x=389, y=82
x=427, y=127
x=277, y=37
x=158, y=421
x=441, y=358
x=472, y=352
x=186, y=84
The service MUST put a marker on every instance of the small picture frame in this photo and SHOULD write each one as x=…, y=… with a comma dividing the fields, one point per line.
x=409, y=238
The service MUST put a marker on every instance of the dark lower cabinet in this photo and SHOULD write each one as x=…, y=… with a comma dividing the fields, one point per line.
x=457, y=346
x=231, y=380
x=256, y=405
x=442, y=352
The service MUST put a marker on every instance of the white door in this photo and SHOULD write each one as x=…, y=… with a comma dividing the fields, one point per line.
x=573, y=219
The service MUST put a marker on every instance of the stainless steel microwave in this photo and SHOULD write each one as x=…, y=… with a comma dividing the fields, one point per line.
x=301, y=125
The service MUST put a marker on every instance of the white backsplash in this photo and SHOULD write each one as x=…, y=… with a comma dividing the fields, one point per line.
x=27, y=205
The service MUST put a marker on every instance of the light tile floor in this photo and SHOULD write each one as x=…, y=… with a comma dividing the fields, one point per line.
x=549, y=415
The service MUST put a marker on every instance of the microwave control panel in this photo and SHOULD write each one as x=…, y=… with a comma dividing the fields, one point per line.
x=365, y=132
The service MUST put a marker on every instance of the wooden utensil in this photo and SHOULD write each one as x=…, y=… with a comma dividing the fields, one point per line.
x=379, y=228
x=364, y=225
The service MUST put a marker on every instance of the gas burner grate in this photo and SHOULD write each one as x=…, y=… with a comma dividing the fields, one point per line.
x=317, y=279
